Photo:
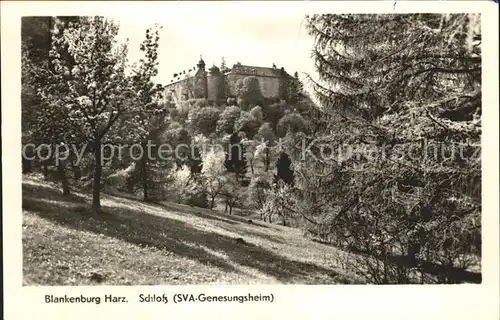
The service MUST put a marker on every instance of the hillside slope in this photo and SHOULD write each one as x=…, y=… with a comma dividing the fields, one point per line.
x=135, y=243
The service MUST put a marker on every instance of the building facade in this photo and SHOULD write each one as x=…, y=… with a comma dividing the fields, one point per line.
x=216, y=85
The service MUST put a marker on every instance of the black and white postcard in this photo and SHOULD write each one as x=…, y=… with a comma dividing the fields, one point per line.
x=256, y=159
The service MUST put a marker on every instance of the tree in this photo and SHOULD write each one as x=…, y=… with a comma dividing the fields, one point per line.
x=280, y=201
x=258, y=114
x=250, y=149
x=419, y=89
x=274, y=112
x=247, y=123
x=213, y=173
x=181, y=177
x=198, y=103
x=284, y=171
x=149, y=119
x=36, y=35
x=266, y=135
x=292, y=88
x=223, y=66
x=186, y=189
x=248, y=92
x=177, y=136
x=189, y=187
x=203, y=120
x=235, y=157
x=42, y=123
x=227, y=120
x=291, y=122
x=233, y=192
x=35, y=47
x=266, y=132
x=258, y=190
x=231, y=101
x=95, y=92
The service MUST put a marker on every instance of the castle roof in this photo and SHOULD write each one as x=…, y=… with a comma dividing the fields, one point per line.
x=214, y=69
x=254, y=71
x=183, y=75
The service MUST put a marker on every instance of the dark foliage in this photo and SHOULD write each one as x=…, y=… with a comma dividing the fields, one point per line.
x=284, y=172
x=235, y=159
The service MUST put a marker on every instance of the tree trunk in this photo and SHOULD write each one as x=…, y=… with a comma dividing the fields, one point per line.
x=96, y=194
x=130, y=185
x=45, y=170
x=415, y=246
x=266, y=161
x=212, y=201
x=412, y=251
x=77, y=172
x=63, y=178
x=26, y=165
x=144, y=174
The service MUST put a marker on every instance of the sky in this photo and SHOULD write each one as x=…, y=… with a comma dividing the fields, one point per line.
x=250, y=39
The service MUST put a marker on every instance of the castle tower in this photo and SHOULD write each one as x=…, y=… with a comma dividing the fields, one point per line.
x=201, y=64
x=216, y=83
x=201, y=74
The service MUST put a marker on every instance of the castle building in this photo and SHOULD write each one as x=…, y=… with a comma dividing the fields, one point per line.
x=217, y=85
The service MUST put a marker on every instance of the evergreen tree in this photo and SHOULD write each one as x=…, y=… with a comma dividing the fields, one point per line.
x=223, y=66
x=235, y=158
x=284, y=172
x=417, y=89
x=293, y=88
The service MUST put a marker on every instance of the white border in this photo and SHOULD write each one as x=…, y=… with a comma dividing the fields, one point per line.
x=407, y=302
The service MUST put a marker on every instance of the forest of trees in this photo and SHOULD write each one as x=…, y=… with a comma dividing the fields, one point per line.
x=394, y=85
